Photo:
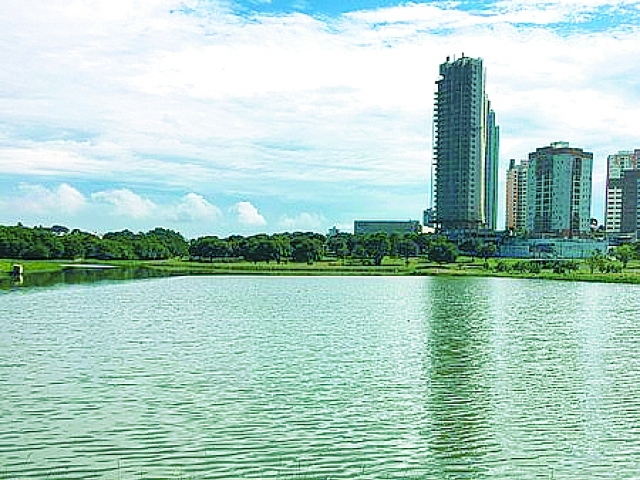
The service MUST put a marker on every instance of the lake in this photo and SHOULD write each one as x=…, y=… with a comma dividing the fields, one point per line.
x=320, y=378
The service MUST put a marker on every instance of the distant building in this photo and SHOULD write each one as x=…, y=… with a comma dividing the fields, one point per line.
x=516, y=199
x=616, y=166
x=429, y=217
x=465, y=149
x=333, y=231
x=630, y=214
x=559, y=191
x=491, y=171
x=429, y=221
x=365, y=227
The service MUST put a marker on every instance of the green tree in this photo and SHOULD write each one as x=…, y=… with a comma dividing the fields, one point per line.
x=376, y=246
x=238, y=245
x=284, y=246
x=338, y=245
x=261, y=248
x=624, y=253
x=59, y=230
x=146, y=247
x=442, y=251
x=73, y=246
x=209, y=247
x=36, y=251
x=108, y=249
x=305, y=249
x=596, y=261
x=406, y=248
x=469, y=246
x=422, y=240
x=486, y=250
x=174, y=243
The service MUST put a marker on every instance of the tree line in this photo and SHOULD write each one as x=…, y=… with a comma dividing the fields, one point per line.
x=59, y=242
x=309, y=247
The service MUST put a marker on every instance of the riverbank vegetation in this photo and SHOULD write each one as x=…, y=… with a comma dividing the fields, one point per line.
x=463, y=266
x=47, y=250
x=60, y=243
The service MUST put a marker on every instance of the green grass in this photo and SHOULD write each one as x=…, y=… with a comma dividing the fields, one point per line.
x=283, y=268
x=465, y=266
x=32, y=266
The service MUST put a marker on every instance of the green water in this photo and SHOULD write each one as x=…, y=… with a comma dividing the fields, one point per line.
x=76, y=276
x=318, y=378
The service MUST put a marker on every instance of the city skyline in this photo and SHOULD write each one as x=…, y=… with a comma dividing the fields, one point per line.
x=255, y=116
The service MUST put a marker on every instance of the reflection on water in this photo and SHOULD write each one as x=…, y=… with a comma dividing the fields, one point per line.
x=315, y=378
x=76, y=276
x=459, y=400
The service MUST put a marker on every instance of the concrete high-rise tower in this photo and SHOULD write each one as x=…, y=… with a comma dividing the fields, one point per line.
x=465, y=149
x=559, y=191
x=491, y=170
x=630, y=215
x=516, y=198
x=616, y=166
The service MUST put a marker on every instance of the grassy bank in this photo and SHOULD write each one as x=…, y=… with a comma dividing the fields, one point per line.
x=389, y=267
x=32, y=266
x=463, y=267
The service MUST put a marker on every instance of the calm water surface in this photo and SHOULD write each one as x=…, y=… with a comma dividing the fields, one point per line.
x=318, y=378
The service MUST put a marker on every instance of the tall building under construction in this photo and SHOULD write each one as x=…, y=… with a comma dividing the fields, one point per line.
x=466, y=142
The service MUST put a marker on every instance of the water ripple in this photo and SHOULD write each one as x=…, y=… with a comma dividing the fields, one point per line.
x=315, y=378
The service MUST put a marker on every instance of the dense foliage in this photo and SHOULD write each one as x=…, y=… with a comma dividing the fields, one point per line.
x=58, y=242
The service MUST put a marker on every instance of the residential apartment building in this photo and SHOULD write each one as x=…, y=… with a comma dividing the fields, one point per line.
x=616, y=166
x=516, y=198
x=559, y=191
x=630, y=211
x=466, y=145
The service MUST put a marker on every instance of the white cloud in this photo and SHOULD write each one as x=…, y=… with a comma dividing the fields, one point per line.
x=292, y=107
x=70, y=199
x=44, y=200
x=304, y=222
x=126, y=203
x=191, y=208
x=249, y=215
x=51, y=159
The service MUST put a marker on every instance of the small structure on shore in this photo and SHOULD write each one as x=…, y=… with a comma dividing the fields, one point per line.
x=16, y=273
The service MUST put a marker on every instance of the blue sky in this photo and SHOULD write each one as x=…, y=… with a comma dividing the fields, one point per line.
x=222, y=117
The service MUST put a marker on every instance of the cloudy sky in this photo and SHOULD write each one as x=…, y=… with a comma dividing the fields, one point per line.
x=223, y=116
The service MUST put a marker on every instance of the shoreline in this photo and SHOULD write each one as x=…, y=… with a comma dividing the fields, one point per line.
x=391, y=267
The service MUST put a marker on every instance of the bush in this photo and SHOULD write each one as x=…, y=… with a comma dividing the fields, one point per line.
x=534, y=267
x=502, y=266
x=563, y=266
